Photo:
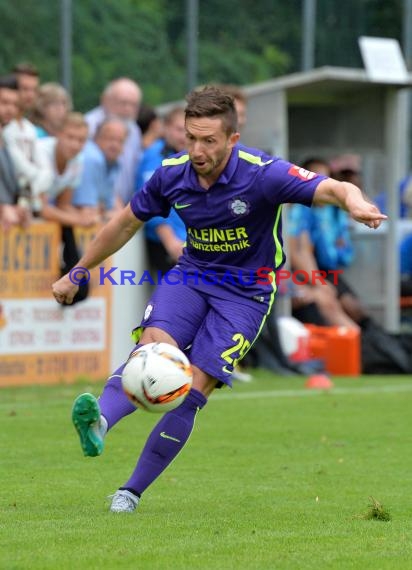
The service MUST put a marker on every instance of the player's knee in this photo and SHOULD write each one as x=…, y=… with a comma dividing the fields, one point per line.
x=203, y=382
x=154, y=334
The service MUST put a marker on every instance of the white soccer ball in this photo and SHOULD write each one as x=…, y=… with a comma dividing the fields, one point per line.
x=157, y=377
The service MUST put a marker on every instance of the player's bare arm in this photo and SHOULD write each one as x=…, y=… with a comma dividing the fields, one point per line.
x=110, y=239
x=350, y=198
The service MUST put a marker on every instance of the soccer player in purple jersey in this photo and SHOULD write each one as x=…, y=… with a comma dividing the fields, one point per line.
x=230, y=198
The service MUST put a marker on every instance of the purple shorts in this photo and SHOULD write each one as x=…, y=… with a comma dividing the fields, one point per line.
x=214, y=332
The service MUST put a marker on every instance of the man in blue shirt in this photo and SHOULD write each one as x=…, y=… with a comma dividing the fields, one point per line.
x=95, y=192
x=231, y=201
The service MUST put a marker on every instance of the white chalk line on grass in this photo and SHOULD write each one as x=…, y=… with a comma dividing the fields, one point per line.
x=233, y=395
x=390, y=389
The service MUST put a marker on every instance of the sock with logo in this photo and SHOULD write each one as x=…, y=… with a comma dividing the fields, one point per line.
x=166, y=440
x=113, y=402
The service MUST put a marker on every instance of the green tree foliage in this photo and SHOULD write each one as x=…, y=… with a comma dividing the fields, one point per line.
x=115, y=38
x=29, y=31
x=240, y=41
x=339, y=24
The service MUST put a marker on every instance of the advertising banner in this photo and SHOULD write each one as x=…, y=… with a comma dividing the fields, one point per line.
x=41, y=341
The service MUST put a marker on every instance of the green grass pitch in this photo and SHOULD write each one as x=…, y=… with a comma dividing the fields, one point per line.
x=275, y=476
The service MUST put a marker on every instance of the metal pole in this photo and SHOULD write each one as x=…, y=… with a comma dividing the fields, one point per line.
x=308, y=34
x=395, y=137
x=407, y=51
x=66, y=44
x=192, y=29
x=407, y=32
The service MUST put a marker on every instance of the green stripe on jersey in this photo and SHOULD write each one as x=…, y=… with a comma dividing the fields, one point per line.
x=175, y=161
x=279, y=251
x=252, y=158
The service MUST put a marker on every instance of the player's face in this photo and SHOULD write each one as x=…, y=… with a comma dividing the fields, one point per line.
x=71, y=140
x=209, y=146
x=9, y=99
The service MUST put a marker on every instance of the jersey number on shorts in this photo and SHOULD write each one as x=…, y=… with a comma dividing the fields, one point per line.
x=241, y=346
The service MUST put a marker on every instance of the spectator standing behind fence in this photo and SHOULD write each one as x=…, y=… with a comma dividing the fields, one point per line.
x=164, y=236
x=33, y=173
x=52, y=105
x=121, y=98
x=95, y=194
x=11, y=212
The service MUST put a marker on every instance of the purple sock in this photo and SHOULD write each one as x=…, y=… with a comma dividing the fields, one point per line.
x=164, y=443
x=113, y=402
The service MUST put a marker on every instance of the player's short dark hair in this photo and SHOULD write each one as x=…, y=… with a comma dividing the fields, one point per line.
x=26, y=68
x=211, y=101
x=8, y=81
x=237, y=93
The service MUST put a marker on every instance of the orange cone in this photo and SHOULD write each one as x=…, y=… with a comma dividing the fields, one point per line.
x=319, y=382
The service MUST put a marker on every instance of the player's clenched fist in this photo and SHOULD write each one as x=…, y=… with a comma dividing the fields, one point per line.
x=64, y=290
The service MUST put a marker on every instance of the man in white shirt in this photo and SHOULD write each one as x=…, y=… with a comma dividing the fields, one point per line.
x=34, y=175
x=28, y=83
x=121, y=98
x=63, y=156
x=13, y=210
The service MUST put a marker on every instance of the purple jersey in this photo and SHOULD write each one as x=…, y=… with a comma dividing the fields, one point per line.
x=234, y=227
